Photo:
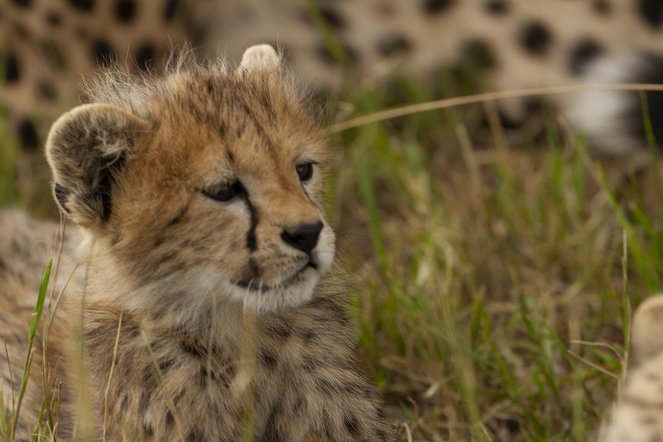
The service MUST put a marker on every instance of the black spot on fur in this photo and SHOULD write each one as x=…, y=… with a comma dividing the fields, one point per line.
x=195, y=435
x=144, y=56
x=164, y=258
x=170, y=10
x=251, y=241
x=165, y=364
x=124, y=403
x=22, y=3
x=651, y=11
x=267, y=358
x=61, y=195
x=82, y=5
x=497, y=7
x=351, y=424
x=272, y=433
x=192, y=349
x=203, y=376
x=27, y=134
x=280, y=331
x=437, y=6
x=46, y=90
x=381, y=414
x=307, y=335
x=102, y=53
x=535, y=38
x=332, y=18
x=393, y=44
x=170, y=420
x=582, y=54
x=479, y=54
x=12, y=69
x=148, y=430
x=602, y=7
x=53, y=19
x=125, y=10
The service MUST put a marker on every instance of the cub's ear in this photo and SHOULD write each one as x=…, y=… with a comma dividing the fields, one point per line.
x=86, y=149
x=260, y=58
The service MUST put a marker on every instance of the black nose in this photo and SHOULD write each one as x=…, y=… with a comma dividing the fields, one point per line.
x=302, y=237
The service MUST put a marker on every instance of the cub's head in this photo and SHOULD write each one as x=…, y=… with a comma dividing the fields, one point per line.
x=207, y=181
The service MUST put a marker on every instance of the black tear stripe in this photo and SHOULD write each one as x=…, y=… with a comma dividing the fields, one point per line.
x=251, y=241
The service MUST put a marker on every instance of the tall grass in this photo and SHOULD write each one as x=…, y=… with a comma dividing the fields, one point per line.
x=493, y=297
x=9, y=413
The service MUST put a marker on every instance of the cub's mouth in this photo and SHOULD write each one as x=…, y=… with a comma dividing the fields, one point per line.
x=256, y=285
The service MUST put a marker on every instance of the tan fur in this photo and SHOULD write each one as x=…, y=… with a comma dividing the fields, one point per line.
x=224, y=327
x=638, y=416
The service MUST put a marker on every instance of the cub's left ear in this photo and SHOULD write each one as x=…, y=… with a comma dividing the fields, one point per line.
x=87, y=149
x=260, y=58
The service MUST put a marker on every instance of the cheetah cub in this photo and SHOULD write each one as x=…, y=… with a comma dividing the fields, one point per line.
x=202, y=292
x=638, y=416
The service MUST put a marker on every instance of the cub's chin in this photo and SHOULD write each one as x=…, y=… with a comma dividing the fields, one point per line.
x=291, y=292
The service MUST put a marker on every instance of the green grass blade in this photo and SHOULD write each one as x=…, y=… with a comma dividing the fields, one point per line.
x=34, y=325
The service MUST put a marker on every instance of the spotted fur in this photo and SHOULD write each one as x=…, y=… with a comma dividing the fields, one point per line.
x=638, y=416
x=48, y=47
x=207, y=308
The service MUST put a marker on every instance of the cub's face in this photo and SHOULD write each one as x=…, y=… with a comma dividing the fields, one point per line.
x=215, y=185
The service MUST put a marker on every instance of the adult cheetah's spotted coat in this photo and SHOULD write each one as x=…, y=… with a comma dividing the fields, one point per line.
x=48, y=47
x=199, y=198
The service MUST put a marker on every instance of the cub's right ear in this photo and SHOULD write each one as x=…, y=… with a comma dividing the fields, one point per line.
x=87, y=148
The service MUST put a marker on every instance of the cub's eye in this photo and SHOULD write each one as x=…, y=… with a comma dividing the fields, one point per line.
x=305, y=171
x=224, y=191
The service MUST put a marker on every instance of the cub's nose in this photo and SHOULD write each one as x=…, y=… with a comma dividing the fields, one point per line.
x=302, y=236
